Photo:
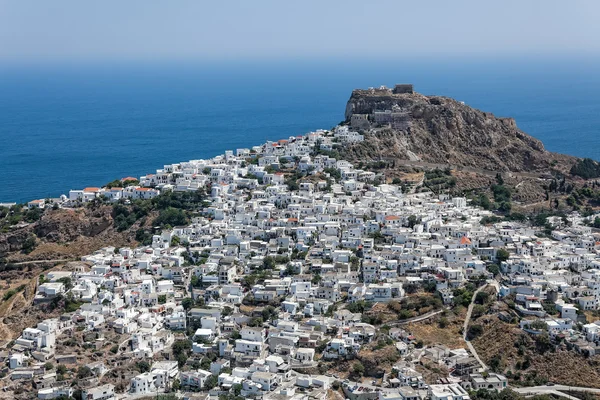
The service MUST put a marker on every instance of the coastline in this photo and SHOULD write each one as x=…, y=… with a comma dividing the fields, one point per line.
x=58, y=123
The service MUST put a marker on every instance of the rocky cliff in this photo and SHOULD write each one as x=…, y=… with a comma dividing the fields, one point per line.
x=66, y=233
x=438, y=129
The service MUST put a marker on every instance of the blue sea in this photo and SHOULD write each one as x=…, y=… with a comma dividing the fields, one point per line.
x=67, y=126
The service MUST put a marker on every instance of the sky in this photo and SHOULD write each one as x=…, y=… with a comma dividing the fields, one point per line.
x=65, y=30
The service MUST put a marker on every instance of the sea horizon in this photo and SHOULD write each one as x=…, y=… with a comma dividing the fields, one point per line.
x=68, y=126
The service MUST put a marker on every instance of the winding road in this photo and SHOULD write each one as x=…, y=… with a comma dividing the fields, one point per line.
x=468, y=319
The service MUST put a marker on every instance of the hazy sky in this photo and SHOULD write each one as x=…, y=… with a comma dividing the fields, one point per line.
x=284, y=29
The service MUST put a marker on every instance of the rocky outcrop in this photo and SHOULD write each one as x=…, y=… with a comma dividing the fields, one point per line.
x=66, y=233
x=442, y=130
x=68, y=225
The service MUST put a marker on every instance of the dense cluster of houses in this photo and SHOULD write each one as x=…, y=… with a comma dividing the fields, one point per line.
x=555, y=280
x=270, y=264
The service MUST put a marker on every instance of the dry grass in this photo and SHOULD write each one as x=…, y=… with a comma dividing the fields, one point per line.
x=13, y=306
x=431, y=371
x=431, y=331
x=501, y=341
x=18, y=312
x=382, y=310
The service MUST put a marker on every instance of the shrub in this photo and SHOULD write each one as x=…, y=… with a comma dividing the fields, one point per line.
x=210, y=382
x=474, y=331
x=84, y=372
x=502, y=255
x=358, y=368
x=29, y=244
x=142, y=366
x=9, y=294
x=586, y=168
x=172, y=217
x=482, y=297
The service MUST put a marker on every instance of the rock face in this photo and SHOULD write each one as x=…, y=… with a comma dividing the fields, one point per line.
x=75, y=231
x=438, y=129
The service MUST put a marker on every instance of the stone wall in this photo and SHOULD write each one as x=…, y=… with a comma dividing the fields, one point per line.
x=403, y=88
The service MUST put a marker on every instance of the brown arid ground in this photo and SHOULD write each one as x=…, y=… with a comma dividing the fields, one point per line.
x=382, y=310
x=431, y=371
x=515, y=351
x=19, y=312
x=16, y=313
x=413, y=305
x=592, y=315
x=378, y=358
x=442, y=329
x=69, y=234
x=246, y=310
x=432, y=333
x=335, y=394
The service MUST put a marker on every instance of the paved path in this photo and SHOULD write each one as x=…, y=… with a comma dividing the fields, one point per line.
x=466, y=326
x=415, y=319
x=44, y=261
x=555, y=389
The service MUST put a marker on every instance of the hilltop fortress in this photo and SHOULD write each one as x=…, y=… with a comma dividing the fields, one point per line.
x=381, y=113
x=403, y=124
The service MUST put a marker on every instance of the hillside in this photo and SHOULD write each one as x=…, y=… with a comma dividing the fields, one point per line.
x=437, y=129
x=525, y=361
x=65, y=234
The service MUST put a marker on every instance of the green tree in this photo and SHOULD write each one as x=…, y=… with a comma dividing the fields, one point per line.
x=268, y=262
x=210, y=382
x=67, y=282
x=502, y=255
x=412, y=221
x=181, y=347
x=494, y=269
x=237, y=389
x=227, y=311
x=29, y=244
x=187, y=303
x=478, y=311
x=142, y=366
x=586, y=168
x=482, y=297
x=172, y=217
x=84, y=372
x=181, y=359
x=358, y=368
x=316, y=279
x=484, y=202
